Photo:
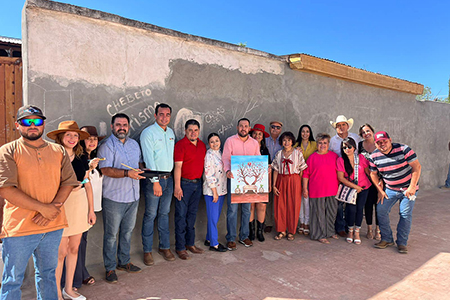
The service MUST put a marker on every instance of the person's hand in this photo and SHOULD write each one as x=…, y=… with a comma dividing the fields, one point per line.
x=410, y=191
x=276, y=191
x=157, y=189
x=50, y=211
x=215, y=197
x=359, y=189
x=93, y=163
x=40, y=220
x=305, y=193
x=229, y=174
x=92, y=218
x=178, y=193
x=134, y=174
x=381, y=196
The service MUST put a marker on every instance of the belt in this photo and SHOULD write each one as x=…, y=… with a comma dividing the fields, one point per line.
x=191, y=180
x=165, y=176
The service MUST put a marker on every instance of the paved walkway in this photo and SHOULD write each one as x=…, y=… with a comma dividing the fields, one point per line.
x=302, y=269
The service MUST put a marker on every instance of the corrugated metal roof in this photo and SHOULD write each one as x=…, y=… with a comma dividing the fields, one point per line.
x=10, y=40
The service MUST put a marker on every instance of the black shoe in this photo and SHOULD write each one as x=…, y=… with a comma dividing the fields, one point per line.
x=207, y=243
x=129, y=267
x=111, y=276
x=260, y=231
x=251, y=227
x=220, y=248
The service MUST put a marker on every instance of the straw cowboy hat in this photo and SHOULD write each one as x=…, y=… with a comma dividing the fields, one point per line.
x=342, y=118
x=92, y=132
x=68, y=126
x=261, y=128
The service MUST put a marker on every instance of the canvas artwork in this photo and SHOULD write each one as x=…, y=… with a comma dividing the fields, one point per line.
x=251, y=179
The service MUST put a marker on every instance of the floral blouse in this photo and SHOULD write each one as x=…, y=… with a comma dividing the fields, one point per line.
x=293, y=164
x=214, y=175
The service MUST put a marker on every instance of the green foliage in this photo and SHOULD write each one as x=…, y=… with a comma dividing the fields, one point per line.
x=428, y=95
x=242, y=44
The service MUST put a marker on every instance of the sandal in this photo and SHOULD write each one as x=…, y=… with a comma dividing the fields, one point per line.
x=324, y=241
x=369, y=232
x=335, y=236
x=89, y=281
x=378, y=235
x=349, y=238
x=306, y=230
x=357, y=240
x=290, y=237
x=279, y=236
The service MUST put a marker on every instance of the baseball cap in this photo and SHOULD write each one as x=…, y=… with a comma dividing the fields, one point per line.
x=381, y=135
x=29, y=110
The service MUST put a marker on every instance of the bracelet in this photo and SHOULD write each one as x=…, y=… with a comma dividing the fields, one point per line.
x=125, y=173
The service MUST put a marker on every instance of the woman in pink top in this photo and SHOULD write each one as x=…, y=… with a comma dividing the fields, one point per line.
x=320, y=184
x=346, y=175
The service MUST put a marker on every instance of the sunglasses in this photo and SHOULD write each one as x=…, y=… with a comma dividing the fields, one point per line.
x=28, y=122
x=275, y=127
x=347, y=147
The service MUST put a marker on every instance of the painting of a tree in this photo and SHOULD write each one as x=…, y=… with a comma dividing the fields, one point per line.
x=250, y=182
x=251, y=171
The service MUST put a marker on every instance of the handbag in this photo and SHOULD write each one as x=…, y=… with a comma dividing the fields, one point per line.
x=347, y=194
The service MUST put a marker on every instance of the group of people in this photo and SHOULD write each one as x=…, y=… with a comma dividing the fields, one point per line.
x=52, y=191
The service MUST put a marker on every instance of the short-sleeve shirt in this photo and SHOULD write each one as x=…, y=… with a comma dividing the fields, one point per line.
x=293, y=164
x=38, y=172
x=394, y=167
x=322, y=175
x=80, y=166
x=116, y=153
x=192, y=156
x=363, y=180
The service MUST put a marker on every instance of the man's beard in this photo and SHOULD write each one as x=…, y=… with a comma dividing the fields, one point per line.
x=123, y=134
x=35, y=137
x=239, y=133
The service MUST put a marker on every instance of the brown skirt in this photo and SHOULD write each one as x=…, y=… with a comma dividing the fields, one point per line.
x=76, y=208
x=286, y=207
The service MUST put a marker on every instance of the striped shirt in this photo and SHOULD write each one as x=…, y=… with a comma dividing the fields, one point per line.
x=394, y=167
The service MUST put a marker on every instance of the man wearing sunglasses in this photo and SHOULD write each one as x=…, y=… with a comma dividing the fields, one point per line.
x=273, y=145
x=36, y=177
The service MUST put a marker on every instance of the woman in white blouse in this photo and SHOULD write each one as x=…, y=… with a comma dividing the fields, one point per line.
x=214, y=190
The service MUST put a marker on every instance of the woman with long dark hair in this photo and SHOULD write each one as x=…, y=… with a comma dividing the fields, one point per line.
x=366, y=147
x=347, y=165
x=307, y=144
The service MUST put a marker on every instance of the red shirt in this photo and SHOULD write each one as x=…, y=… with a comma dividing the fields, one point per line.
x=193, y=158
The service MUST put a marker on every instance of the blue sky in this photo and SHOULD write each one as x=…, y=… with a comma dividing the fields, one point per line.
x=405, y=39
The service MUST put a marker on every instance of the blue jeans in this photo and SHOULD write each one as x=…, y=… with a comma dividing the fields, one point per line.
x=447, y=182
x=16, y=253
x=232, y=211
x=213, y=211
x=404, y=224
x=157, y=206
x=117, y=218
x=354, y=212
x=340, y=224
x=186, y=213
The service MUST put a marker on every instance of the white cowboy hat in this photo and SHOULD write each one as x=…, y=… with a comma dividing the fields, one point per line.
x=342, y=118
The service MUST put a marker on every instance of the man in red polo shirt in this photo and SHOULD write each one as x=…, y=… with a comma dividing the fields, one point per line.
x=189, y=157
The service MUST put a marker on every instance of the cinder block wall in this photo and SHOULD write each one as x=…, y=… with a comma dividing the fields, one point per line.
x=87, y=65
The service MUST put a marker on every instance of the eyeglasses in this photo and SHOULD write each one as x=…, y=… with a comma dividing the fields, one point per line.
x=275, y=127
x=347, y=147
x=28, y=122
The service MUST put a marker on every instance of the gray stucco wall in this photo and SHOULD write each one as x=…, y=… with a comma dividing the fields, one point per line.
x=86, y=65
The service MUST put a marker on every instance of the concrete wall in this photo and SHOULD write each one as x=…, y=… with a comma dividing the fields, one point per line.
x=87, y=65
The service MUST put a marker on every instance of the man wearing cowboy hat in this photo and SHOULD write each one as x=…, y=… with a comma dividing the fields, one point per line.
x=273, y=145
x=36, y=177
x=342, y=126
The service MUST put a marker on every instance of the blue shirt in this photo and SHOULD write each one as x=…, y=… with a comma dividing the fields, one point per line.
x=116, y=153
x=273, y=146
x=157, y=148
